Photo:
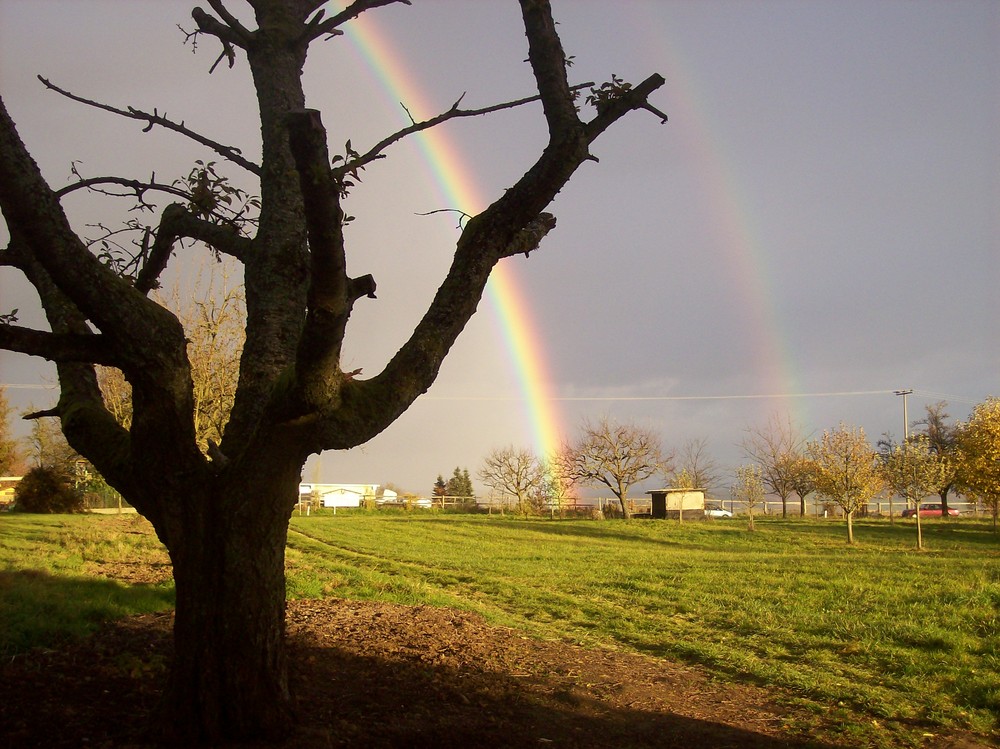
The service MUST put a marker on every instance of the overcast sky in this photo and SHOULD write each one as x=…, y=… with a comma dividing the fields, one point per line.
x=817, y=225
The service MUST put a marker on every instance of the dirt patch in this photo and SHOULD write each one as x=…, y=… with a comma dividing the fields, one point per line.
x=381, y=675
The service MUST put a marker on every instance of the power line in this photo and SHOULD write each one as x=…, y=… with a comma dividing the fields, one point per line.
x=757, y=396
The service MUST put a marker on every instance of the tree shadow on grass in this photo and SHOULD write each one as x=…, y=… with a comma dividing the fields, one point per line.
x=39, y=609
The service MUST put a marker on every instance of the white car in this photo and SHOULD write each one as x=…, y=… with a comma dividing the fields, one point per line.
x=716, y=510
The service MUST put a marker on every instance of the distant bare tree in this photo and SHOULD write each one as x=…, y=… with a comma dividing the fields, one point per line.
x=614, y=455
x=516, y=472
x=47, y=446
x=776, y=448
x=694, y=467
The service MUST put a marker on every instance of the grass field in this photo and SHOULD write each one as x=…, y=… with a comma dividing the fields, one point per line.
x=877, y=629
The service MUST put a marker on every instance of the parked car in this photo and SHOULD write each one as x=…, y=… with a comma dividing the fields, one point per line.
x=930, y=510
x=716, y=510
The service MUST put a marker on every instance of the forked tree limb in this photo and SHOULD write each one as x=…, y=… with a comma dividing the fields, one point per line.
x=375, y=152
x=177, y=222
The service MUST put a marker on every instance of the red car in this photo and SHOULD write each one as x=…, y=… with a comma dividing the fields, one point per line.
x=929, y=510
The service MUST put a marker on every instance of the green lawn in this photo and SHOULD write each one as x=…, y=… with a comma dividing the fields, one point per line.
x=877, y=628
x=48, y=590
x=897, y=641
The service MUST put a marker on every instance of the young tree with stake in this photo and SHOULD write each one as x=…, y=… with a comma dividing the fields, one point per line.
x=846, y=469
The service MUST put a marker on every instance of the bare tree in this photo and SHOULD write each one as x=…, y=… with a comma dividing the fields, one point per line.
x=613, y=455
x=693, y=467
x=516, y=472
x=48, y=448
x=224, y=517
x=776, y=449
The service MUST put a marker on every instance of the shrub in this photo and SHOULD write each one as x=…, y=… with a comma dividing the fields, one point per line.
x=45, y=490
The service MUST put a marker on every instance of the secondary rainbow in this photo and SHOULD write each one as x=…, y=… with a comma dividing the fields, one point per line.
x=734, y=224
x=458, y=190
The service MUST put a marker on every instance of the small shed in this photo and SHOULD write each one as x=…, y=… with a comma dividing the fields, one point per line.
x=678, y=503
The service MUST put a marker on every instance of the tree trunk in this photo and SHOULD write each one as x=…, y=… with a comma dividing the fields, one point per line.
x=229, y=674
x=850, y=527
x=944, y=502
x=625, y=513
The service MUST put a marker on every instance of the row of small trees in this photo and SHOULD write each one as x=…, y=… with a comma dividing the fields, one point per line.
x=841, y=465
x=844, y=467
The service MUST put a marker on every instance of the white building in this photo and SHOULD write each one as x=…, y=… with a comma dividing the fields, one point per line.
x=340, y=495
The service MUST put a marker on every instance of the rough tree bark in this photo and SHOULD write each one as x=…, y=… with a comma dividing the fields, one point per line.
x=223, y=516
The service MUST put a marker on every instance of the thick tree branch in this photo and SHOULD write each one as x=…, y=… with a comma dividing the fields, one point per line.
x=530, y=237
x=328, y=306
x=548, y=63
x=177, y=222
x=614, y=110
x=513, y=224
x=66, y=347
x=317, y=27
x=242, y=33
x=227, y=152
x=148, y=339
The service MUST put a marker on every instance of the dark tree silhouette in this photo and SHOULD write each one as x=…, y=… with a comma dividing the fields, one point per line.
x=223, y=513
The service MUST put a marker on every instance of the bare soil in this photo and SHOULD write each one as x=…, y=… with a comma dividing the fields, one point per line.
x=369, y=674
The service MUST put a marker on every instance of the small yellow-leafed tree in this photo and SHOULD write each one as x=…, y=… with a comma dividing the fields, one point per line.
x=748, y=489
x=979, y=455
x=913, y=469
x=845, y=469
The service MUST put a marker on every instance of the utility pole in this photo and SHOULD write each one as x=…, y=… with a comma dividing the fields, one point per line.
x=906, y=421
x=906, y=437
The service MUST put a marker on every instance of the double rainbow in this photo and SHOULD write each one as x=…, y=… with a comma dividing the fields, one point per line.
x=733, y=224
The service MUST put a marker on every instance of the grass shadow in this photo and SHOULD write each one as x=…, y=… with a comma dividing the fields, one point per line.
x=40, y=609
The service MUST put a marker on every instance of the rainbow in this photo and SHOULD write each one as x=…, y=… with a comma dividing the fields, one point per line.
x=458, y=190
x=734, y=224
